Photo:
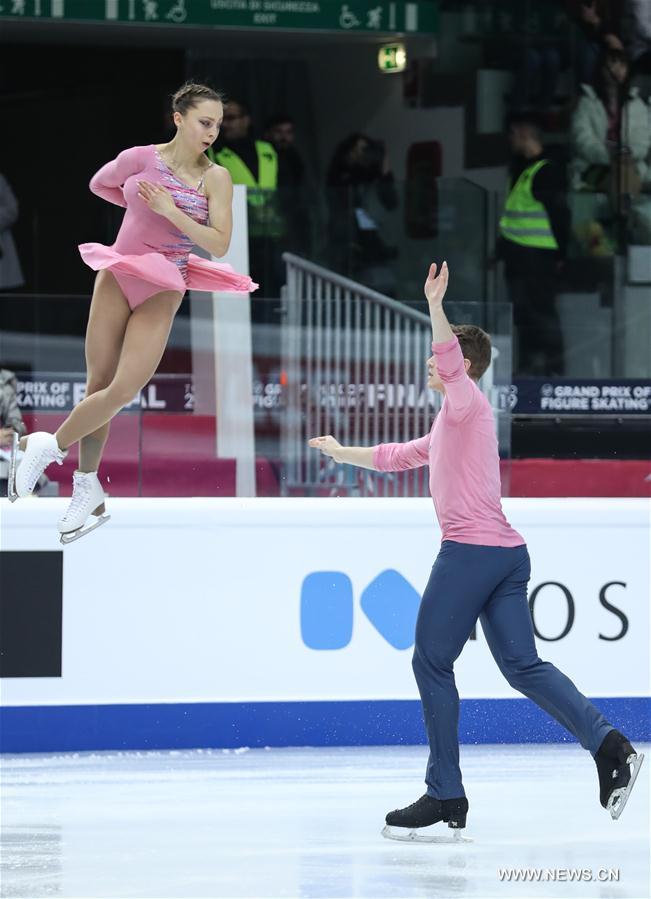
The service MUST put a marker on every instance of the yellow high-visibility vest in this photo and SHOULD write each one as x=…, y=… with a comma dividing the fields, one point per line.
x=525, y=220
x=264, y=218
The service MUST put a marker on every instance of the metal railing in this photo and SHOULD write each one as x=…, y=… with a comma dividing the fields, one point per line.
x=354, y=367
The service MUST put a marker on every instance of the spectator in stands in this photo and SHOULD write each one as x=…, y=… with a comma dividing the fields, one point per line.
x=636, y=28
x=11, y=275
x=611, y=133
x=360, y=187
x=293, y=203
x=533, y=243
x=11, y=419
x=541, y=53
x=597, y=31
x=254, y=163
x=11, y=422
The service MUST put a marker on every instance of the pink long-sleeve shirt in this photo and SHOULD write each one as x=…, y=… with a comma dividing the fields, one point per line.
x=462, y=454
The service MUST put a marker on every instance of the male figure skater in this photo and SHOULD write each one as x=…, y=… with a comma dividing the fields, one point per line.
x=481, y=571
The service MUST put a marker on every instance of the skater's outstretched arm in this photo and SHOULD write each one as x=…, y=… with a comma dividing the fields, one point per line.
x=383, y=457
x=362, y=456
x=107, y=182
x=451, y=366
x=401, y=456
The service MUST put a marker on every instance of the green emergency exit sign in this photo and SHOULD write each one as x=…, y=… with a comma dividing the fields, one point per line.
x=392, y=58
x=368, y=16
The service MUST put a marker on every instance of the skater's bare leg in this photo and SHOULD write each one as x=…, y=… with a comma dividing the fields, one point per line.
x=92, y=445
x=144, y=342
x=107, y=323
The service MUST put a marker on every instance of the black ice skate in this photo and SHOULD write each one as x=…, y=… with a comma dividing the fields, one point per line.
x=410, y=823
x=618, y=765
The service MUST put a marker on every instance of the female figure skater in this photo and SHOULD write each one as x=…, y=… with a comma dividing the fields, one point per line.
x=482, y=571
x=174, y=198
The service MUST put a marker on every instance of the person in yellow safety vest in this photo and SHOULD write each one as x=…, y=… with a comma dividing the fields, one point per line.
x=532, y=243
x=294, y=191
x=253, y=163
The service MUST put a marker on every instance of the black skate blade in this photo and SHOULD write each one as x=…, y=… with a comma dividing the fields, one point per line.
x=423, y=835
x=618, y=798
x=71, y=536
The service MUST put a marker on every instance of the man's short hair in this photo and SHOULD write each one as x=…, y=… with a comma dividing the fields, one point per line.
x=279, y=119
x=245, y=108
x=475, y=346
x=529, y=118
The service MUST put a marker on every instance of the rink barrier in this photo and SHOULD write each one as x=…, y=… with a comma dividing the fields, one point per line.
x=259, y=724
x=290, y=622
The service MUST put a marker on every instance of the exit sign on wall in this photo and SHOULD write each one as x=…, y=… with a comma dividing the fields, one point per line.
x=369, y=16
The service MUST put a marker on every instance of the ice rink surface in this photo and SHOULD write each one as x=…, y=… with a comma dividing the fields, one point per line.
x=307, y=822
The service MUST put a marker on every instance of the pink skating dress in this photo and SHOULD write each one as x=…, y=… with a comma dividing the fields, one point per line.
x=150, y=254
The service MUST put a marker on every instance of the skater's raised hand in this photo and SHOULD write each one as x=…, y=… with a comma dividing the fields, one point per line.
x=435, y=286
x=328, y=446
x=158, y=198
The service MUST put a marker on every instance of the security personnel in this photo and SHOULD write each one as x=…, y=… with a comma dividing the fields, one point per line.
x=533, y=238
x=253, y=163
x=525, y=220
x=293, y=187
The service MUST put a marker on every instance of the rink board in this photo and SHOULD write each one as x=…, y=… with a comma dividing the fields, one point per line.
x=225, y=623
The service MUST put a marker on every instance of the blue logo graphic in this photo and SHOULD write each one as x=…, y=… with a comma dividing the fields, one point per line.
x=389, y=602
x=391, y=605
x=327, y=610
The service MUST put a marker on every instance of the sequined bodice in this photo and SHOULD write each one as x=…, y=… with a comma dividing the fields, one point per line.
x=190, y=200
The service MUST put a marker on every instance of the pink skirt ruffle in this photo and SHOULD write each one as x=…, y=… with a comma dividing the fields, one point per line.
x=142, y=276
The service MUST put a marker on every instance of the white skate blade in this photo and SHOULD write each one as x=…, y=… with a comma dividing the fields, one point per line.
x=71, y=536
x=12, y=495
x=422, y=835
x=619, y=798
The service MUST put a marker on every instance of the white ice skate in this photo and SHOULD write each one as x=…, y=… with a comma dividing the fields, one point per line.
x=87, y=503
x=12, y=496
x=619, y=797
x=42, y=449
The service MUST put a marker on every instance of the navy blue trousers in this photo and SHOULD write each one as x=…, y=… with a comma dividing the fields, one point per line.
x=490, y=583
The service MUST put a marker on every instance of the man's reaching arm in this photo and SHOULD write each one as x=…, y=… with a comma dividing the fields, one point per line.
x=362, y=456
x=450, y=364
x=435, y=288
x=383, y=457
